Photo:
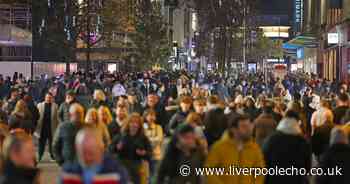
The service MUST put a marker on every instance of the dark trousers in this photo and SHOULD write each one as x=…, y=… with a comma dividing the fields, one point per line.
x=42, y=143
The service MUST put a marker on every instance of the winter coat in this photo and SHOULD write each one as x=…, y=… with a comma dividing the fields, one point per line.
x=224, y=153
x=174, y=158
x=13, y=174
x=215, y=124
x=110, y=172
x=287, y=148
x=54, y=118
x=64, y=142
x=176, y=120
x=337, y=156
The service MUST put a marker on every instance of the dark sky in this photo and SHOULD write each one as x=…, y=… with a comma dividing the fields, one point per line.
x=277, y=7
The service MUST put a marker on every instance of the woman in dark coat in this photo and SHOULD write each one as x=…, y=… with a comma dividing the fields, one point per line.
x=133, y=148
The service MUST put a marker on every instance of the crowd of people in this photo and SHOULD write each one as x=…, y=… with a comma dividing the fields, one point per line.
x=142, y=127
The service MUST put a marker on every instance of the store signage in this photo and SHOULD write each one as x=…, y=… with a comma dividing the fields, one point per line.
x=298, y=11
x=333, y=38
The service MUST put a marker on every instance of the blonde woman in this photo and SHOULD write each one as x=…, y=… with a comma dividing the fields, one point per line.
x=105, y=115
x=21, y=118
x=92, y=119
x=99, y=99
x=154, y=132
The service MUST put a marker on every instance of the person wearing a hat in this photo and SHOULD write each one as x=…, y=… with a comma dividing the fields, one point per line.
x=184, y=150
x=236, y=148
x=63, y=111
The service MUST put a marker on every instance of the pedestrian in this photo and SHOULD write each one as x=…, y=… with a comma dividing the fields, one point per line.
x=182, y=150
x=322, y=115
x=285, y=148
x=63, y=111
x=99, y=99
x=105, y=115
x=214, y=121
x=342, y=106
x=134, y=104
x=93, y=165
x=264, y=127
x=92, y=120
x=153, y=102
x=120, y=120
x=134, y=149
x=19, y=160
x=11, y=102
x=63, y=142
x=47, y=124
x=320, y=139
x=154, y=133
x=180, y=116
x=21, y=117
x=336, y=158
x=236, y=148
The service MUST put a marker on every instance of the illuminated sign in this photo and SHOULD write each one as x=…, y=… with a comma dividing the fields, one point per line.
x=333, y=38
x=298, y=11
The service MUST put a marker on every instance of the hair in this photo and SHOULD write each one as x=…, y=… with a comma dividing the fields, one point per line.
x=99, y=95
x=14, y=142
x=131, y=118
x=292, y=115
x=77, y=108
x=89, y=131
x=186, y=99
x=105, y=110
x=21, y=107
x=148, y=112
x=213, y=99
x=91, y=113
x=194, y=118
x=200, y=101
x=234, y=119
x=338, y=135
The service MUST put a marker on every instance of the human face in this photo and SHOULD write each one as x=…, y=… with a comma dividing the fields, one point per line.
x=25, y=156
x=134, y=127
x=48, y=98
x=199, y=108
x=131, y=99
x=69, y=99
x=244, y=130
x=121, y=112
x=151, y=118
x=152, y=100
x=185, y=107
x=188, y=140
x=91, y=153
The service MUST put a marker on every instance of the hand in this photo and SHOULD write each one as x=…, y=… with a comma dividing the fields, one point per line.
x=141, y=152
x=119, y=146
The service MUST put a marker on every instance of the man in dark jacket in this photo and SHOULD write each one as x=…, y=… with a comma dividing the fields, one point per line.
x=121, y=112
x=19, y=165
x=182, y=150
x=180, y=116
x=287, y=148
x=93, y=165
x=336, y=160
x=214, y=121
x=63, y=111
x=63, y=143
x=342, y=106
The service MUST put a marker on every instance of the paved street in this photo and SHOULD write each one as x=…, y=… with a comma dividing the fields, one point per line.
x=49, y=169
